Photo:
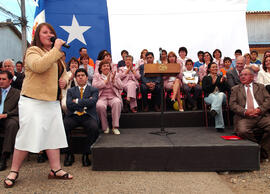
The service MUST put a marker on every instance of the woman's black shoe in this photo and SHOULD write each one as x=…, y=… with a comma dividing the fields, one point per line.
x=69, y=160
x=85, y=160
x=42, y=157
x=220, y=130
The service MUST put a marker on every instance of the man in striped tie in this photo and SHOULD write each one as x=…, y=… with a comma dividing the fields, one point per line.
x=81, y=106
x=251, y=104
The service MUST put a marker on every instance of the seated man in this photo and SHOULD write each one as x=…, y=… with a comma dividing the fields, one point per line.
x=81, y=105
x=251, y=103
x=17, y=79
x=233, y=75
x=150, y=84
x=9, y=121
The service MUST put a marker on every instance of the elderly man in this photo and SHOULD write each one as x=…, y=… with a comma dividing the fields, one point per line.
x=9, y=121
x=251, y=103
x=150, y=84
x=233, y=75
x=17, y=79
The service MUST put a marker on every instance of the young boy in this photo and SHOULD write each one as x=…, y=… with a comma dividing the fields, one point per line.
x=227, y=65
x=190, y=85
x=200, y=62
x=254, y=60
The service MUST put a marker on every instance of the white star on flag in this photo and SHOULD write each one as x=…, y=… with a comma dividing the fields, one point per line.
x=75, y=31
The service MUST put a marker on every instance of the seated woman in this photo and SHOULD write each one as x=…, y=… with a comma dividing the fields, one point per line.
x=130, y=77
x=217, y=58
x=264, y=73
x=100, y=56
x=108, y=58
x=142, y=59
x=84, y=60
x=73, y=65
x=207, y=57
x=110, y=86
x=174, y=82
x=214, y=86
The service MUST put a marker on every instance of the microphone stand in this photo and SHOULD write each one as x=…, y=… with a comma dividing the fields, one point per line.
x=162, y=131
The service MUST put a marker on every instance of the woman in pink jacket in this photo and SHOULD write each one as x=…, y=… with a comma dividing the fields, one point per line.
x=130, y=76
x=110, y=87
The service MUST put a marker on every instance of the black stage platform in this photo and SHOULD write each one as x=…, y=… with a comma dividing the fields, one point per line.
x=190, y=149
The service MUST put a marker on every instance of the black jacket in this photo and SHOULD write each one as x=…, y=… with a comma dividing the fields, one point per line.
x=208, y=87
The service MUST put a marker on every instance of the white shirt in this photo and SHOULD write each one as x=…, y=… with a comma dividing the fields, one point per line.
x=263, y=77
x=251, y=91
x=190, y=77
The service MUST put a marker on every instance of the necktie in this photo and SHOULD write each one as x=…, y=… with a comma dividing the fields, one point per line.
x=4, y=94
x=250, y=104
x=81, y=95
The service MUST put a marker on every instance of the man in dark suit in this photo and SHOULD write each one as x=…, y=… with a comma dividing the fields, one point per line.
x=251, y=103
x=17, y=79
x=9, y=121
x=150, y=84
x=81, y=106
x=233, y=75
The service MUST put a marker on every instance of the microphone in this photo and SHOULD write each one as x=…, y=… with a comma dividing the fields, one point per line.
x=52, y=39
x=160, y=53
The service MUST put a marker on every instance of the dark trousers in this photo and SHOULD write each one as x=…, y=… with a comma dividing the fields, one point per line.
x=246, y=128
x=90, y=126
x=156, y=95
x=10, y=126
x=196, y=91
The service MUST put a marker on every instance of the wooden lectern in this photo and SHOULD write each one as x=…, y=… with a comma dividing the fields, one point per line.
x=160, y=70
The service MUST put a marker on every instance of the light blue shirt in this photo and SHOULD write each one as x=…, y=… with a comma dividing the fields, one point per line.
x=4, y=93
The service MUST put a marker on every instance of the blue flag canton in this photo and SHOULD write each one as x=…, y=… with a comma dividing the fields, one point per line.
x=91, y=13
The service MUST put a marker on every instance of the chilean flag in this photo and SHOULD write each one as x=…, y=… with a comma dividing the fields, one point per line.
x=134, y=25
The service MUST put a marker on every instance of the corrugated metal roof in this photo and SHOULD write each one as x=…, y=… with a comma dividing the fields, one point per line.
x=258, y=12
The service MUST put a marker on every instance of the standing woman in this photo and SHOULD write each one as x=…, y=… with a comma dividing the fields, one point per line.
x=41, y=123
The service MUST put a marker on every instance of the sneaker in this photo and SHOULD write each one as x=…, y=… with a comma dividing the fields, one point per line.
x=213, y=113
x=107, y=130
x=116, y=131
